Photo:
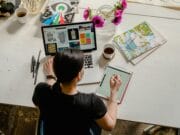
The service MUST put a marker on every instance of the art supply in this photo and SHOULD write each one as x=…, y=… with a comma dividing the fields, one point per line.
x=61, y=19
x=108, y=51
x=21, y=15
x=56, y=20
x=33, y=64
x=37, y=67
x=49, y=20
x=102, y=81
x=69, y=17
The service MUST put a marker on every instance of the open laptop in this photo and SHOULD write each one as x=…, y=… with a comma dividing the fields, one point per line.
x=80, y=35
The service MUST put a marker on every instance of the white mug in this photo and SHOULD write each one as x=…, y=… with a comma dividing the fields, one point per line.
x=108, y=51
x=21, y=14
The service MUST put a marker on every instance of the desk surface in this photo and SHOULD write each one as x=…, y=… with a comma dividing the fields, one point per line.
x=154, y=91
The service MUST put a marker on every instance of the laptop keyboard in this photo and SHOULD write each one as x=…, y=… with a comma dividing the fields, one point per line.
x=88, y=62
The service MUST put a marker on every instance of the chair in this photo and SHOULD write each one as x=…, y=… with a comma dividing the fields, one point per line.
x=94, y=130
x=40, y=128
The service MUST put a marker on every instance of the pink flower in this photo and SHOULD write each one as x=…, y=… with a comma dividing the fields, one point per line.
x=117, y=20
x=98, y=21
x=124, y=4
x=118, y=13
x=86, y=13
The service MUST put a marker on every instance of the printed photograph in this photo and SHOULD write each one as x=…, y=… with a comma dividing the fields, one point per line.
x=50, y=36
x=73, y=34
x=62, y=37
x=52, y=48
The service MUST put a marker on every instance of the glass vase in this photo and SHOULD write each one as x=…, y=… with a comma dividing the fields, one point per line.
x=109, y=29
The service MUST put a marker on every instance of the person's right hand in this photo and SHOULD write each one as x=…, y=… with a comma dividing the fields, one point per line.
x=48, y=67
x=115, y=83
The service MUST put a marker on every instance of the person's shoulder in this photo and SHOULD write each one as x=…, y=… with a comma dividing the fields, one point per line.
x=42, y=85
x=95, y=97
x=86, y=95
x=41, y=92
x=92, y=97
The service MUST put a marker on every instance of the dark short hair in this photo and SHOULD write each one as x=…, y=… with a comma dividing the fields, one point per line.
x=67, y=64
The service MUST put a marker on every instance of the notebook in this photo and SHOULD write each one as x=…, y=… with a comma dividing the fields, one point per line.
x=139, y=42
x=79, y=35
x=104, y=87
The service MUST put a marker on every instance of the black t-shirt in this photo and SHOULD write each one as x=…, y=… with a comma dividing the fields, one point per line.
x=67, y=114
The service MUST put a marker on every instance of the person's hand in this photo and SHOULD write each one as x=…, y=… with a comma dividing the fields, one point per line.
x=48, y=67
x=115, y=83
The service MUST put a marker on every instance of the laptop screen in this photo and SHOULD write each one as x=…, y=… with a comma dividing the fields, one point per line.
x=80, y=35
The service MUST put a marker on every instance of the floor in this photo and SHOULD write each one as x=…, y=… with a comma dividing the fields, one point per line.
x=18, y=120
x=21, y=120
x=135, y=128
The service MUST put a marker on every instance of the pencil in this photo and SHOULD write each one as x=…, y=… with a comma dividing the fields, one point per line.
x=102, y=80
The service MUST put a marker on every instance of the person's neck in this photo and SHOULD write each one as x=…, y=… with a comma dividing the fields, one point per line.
x=69, y=89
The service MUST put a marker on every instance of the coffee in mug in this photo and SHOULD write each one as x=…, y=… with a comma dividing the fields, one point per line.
x=109, y=51
x=21, y=14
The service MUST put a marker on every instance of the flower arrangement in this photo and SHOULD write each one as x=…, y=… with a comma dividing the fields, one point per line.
x=115, y=13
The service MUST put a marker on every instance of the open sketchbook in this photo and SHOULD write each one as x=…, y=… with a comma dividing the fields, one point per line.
x=104, y=87
x=139, y=42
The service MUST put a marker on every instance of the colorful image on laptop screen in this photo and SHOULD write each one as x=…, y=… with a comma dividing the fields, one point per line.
x=75, y=35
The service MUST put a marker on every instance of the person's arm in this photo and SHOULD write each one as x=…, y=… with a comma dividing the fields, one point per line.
x=108, y=121
x=48, y=71
x=42, y=89
x=40, y=93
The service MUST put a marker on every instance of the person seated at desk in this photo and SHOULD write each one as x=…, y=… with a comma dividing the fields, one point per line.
x=66, y=111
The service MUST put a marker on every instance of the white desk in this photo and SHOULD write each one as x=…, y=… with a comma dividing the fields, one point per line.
x=153, y=95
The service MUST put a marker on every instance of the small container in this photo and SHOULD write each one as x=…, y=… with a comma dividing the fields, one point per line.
x=108, y=51
x=21, y=14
